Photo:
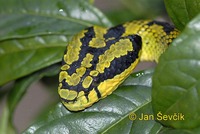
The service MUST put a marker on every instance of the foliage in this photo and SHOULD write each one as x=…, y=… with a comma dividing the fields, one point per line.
x=182, y=11
x=33, y=38
x=177, y=75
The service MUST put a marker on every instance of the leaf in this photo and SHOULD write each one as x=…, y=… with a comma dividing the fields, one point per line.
x=144, y=8
x=135, y=9
x=15, y=95
x=21, y=85
x=176, y=81
x=142, y=78
x=139, y=125
x=22, y=18
x=110, y=115
x=5, y=125
x=179, y=131
x=43, y=28
x=24, y=56
x=182, y=11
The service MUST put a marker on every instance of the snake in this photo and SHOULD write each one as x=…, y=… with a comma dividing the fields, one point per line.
x=98, y=59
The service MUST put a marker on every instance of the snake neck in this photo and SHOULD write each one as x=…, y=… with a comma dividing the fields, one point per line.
x=156, y=37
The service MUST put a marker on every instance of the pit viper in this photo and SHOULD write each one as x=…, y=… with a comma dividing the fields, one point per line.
x=98, y=59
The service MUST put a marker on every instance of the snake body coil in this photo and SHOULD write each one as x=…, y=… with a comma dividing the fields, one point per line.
x=98, y=59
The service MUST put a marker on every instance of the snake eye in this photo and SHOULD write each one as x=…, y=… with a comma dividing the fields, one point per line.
x=136, y=38
x=136, y=41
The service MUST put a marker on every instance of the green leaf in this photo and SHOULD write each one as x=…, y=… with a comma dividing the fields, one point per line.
x=144, y=8
x=43, y=28
x=182, y=11
x=22, y=18
x=179, y=131
x=24, y=56
x=141, y=125
x=110, y=115
x=176, y=82
x=21, y=85
x=5, y=125
x=15, y=95
x=142, y=78
x=135, y=9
